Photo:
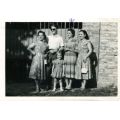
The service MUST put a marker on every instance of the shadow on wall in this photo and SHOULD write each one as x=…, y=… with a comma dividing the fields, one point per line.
x=18, y=58
x=94, y=62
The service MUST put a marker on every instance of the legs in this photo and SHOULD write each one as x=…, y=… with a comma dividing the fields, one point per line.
x=83, y=84
x=61, y=85
x=37, y=86
x=49, y=65
x=49, y=78
x=55, y=84
x=68, y=83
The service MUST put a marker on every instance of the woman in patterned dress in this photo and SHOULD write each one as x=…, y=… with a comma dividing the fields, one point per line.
x=83, y=61
x=58, y=71
x=70, y=58
x=38, y=49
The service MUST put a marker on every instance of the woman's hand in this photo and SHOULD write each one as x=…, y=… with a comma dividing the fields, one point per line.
x=61, y=48
x=53, y=51
x=33, y=53
x=45, y=56
x=85, y=59
x=67, y=49
x=30, y=48
x=63, y=74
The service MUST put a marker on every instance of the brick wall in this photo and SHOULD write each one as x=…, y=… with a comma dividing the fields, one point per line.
x=108, y=54
x=104, y=39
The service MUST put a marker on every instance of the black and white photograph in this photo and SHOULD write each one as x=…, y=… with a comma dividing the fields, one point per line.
x=59, y=60
x=62, y=59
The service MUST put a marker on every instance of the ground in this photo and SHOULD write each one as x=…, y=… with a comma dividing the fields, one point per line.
x=25, y=89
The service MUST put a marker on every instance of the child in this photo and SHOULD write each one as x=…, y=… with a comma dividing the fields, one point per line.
x=58, y=71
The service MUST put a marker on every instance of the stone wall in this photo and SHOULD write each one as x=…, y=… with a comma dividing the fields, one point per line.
x=108, y=54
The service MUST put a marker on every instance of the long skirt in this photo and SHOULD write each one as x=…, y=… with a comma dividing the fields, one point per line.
x=79, y=65
x=38, y=69
x=70, y=61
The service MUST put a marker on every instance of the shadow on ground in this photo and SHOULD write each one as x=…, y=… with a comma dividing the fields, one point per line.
x=25, y=89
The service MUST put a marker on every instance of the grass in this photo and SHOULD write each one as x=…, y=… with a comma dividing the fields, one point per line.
x=25, y=89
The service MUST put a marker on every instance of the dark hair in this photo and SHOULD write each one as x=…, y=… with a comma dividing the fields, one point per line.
x=85, y=33
x=45, y=37
x=34, y=31
x=72, y=31
x=53, y=24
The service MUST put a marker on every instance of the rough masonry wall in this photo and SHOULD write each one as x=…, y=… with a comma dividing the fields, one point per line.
x=108, y=54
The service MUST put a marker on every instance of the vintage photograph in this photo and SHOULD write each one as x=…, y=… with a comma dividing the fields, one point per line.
x=61, y=59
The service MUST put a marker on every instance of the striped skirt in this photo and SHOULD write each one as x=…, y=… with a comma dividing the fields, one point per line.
x=70, y=61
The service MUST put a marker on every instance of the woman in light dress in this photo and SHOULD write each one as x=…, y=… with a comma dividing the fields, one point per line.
x=38, y=69
x=83, y=61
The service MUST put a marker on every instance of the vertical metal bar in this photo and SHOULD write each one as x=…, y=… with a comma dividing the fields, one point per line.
x=48, y=28
x=40, y=25
x=78, y=32
x=44, y=26
x=99, y=50
x=61, y=28
x=65, y=31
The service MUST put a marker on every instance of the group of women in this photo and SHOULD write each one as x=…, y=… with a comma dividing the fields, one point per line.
x=56, y=60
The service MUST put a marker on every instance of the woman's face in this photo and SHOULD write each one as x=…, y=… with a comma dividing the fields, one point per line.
x=70, y=35
x=59, y=56
x=41, y=36
x=81, y=35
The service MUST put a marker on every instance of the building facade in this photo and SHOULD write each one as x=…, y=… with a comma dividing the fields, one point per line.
x=103, y=36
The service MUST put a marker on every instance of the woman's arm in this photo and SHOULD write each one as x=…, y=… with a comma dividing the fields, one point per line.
x=63, y=69
x=66, y=49
x=90, y=51
x=30, y=48
x=53, y=50
x=73, y=48
x=53, y=69
x=61, y=48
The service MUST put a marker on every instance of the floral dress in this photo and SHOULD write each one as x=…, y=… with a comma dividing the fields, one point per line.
x=70, y=58
x=83, y=50
x=38, y=68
